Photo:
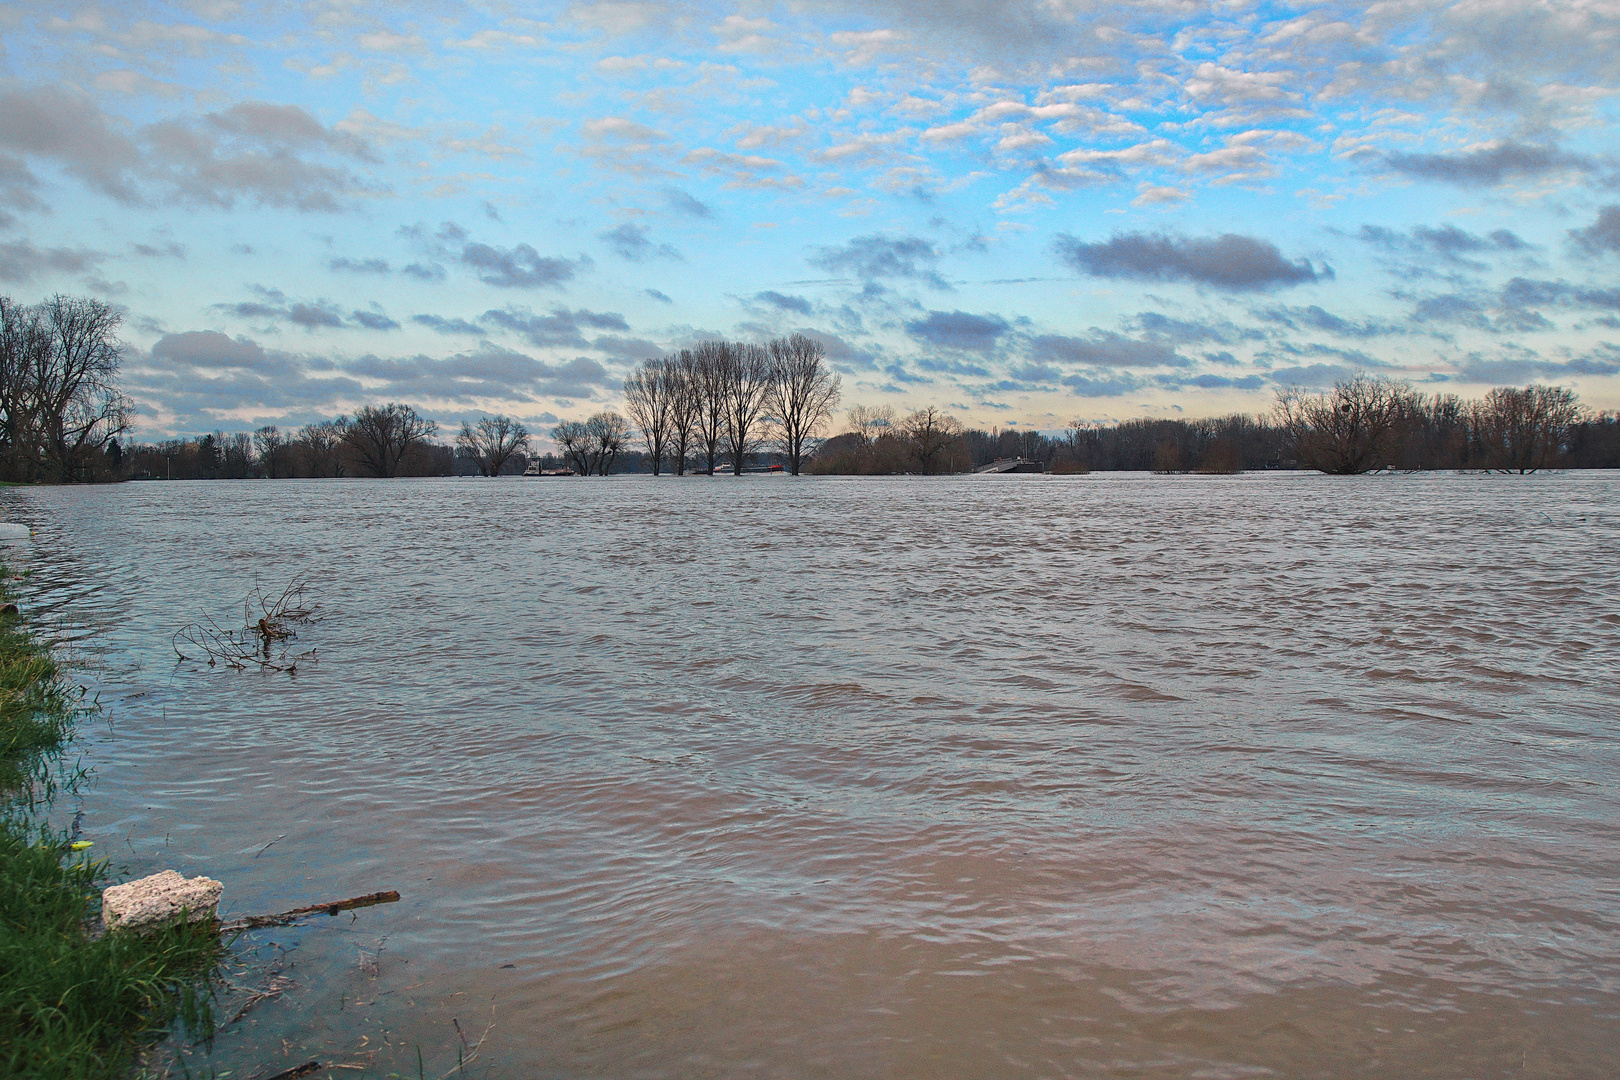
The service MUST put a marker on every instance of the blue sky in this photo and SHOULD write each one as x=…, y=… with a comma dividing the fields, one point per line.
x=1028, y=213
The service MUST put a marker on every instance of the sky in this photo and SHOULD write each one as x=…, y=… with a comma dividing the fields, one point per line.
x=1030, y=213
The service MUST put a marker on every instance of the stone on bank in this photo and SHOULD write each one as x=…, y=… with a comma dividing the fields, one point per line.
x=159, y=900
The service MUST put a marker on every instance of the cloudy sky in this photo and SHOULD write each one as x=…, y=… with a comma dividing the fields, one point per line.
x=1028, y=212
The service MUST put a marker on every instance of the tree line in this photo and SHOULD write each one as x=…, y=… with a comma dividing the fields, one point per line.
x=1361, y=425
x=377, y=441
x=731, y=404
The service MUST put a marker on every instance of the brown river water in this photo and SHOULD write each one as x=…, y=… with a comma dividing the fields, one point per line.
x=1105, y=776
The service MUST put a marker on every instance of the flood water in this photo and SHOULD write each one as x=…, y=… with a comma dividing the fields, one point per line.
x=1106, y=776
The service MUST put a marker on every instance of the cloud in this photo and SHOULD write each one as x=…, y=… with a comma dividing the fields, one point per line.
x=1315, y=317
x=1447, y=242
x=630, y=243
x=253, y=150
x=1104, y=349
x=1102, y=383
x=662, y=298
x=310, y=314
x=211, y=349
x=876, y=256
x=959, y=330
x=781, y=302
x=359, y=266
x=374, y=320
x=490, y=373
x=1602, y=235
x=561, y=327
x=447, y=326
x=1311, y=376
x=21, y=261
x=1489, y=165
x=1527, y=292
x=683, y=203
x=52, y=123
x=1230, y=262
x=520, y=267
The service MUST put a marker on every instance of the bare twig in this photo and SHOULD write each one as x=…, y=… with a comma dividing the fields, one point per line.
x=264, y=640
x=468, y=1056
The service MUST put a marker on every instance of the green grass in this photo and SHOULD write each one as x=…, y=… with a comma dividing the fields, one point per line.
x=72, y=1007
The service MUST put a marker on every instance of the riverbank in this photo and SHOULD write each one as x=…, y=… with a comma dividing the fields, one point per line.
x=73, y=1006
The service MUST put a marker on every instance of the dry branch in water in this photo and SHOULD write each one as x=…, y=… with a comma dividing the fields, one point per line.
x=265, y=639
x=287, y=918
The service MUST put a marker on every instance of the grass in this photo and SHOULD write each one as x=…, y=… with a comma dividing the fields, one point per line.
x=73, y=1006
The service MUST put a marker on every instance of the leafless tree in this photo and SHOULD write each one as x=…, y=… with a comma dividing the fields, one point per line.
x=608, y=432
x=1353, y=429
x=322, y=447
x=574, y=442
x=802, y=393
x=380, y=436
x=747, y=384
x=869, y=422
x=648, y=396
x=493, y=442
x=235, y=455
x=1521, y=431
x=273, y=450
x=685, y=403
x=58, y=366
x=710, y=360
x=932, y=434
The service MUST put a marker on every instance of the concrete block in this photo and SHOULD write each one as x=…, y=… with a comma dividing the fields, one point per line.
x=159, y=900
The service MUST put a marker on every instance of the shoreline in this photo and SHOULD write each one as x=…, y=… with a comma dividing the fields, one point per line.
x=72, y=1004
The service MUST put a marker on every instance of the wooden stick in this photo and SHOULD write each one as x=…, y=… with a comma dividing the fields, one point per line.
x=287, y=918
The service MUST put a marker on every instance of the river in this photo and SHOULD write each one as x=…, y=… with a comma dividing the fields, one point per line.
x=1026, y=776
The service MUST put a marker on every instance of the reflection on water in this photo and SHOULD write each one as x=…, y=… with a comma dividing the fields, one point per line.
x=1098, y=776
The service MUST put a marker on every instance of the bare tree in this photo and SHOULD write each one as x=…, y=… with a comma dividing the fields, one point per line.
x=273, y=450
x=235, y=455
x=869, y=422
x=495, y=441
x=932, y=435
x=685, y=403
x=648, y=396
x=710, y=359
x=322, y=446
x=1521, y=431
x=802, y=394
x=62, y=409
x=380, y=436
x=747, y=386
x=574, y=442
x=1353, y=429
x=608, y=433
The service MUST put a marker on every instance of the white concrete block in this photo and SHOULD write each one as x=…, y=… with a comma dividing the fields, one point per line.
x=159, y=900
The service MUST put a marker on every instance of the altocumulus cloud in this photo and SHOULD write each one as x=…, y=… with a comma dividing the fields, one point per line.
x=959, y=330
x=1488, y=166
x=1104, y=349
x=876, y=256
x=1230, y=262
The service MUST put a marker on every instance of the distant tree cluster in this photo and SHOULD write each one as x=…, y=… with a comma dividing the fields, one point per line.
x=61, y=412
x=1361, y=425
x=378, y=440
x=723, y=401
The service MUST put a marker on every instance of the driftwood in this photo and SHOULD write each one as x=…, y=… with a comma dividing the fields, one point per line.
x=287, y=918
